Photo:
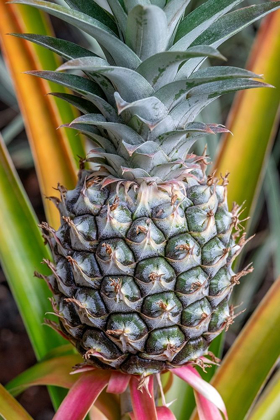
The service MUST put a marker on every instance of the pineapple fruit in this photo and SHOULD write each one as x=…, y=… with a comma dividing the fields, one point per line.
x=142, y=272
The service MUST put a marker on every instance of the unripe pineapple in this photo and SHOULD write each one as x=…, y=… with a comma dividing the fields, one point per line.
x=142, y=271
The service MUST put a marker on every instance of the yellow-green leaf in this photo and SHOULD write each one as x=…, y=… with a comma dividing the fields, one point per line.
x=55, y=151
x=21, y=251
x=252, y=120
x=50, y=372
x=268, y=407
x=10, y=409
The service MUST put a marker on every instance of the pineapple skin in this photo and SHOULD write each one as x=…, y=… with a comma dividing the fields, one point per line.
x=143, y=272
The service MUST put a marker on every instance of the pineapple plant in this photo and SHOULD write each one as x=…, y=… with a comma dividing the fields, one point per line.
x=142, y=271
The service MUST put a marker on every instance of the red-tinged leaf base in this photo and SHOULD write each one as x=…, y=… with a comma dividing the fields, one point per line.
x=164, y=413
x=143, y=401
x=207, y=397
x=118, y=383
x=82, y=395
x=92, y=382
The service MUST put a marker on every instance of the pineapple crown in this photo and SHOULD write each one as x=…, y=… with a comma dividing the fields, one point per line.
x=143, y=85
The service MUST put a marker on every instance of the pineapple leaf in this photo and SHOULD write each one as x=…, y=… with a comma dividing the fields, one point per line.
x=80, y=85
x=93, y=133
x=234, y=22
x=224, y=72
x=160, y=75
x=91, y=8
x=120, y=52
x=174, y=10
x=65, y=49
x=201, y=96
x=118, y=132
x=146, y=30
x=268, y=406
x=149, y=109
x=21, y=250
x=130, y=4
x=10, y=407
x=130, y=84
x=196, y=22
x=50, y=372
x=81, y=104
x=226, y=27
x=119, y=14
x=175, y=92
x=159, y=3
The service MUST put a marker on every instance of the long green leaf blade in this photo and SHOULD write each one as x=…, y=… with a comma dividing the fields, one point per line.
x=196, y=22
x=21, y=250
x=65, y=49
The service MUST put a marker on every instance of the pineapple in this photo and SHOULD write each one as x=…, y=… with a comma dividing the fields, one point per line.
x=142, y=272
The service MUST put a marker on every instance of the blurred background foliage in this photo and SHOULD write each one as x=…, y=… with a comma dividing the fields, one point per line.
x=263, y=250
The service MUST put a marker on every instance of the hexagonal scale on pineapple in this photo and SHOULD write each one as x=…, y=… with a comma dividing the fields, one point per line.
x=121, y=294
x=145, y=239
x=88, y=197
x=154, y=275
x=199, y=194
x=90, y=307
x=192, y=285
x=183, y=252
x=128, y=332
x=115, y=257
x=163, y=344
x=221, y=285
x=214, y=256
x=170, y=219
x=63, y=275
x=195, y=318
x=83, y=232
x=161, y=310
x=101, y=347
x=201, y=224
x=113, y=220
x=135, y=365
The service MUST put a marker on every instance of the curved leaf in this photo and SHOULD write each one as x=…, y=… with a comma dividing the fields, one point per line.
x=174, y=10
x=21, y=251
x=196, y=22
x=143, y=404
x=91, y=8
x=130, y=84
x=82, y=395
x=50, y=372
x=65, y=49
x=161, y=68
x=226, y=27
x=119, y=14
x=10, y=408
x=120, y=52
